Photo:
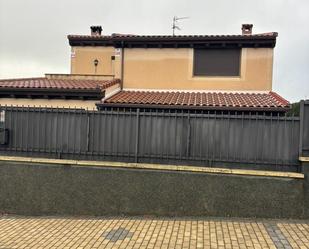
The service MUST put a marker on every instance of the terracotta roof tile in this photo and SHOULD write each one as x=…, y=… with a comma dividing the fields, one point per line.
x=198, y=99
x=40, y=83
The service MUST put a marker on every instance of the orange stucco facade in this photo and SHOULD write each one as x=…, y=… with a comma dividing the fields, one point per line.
x=82, y=61
x=172, y=68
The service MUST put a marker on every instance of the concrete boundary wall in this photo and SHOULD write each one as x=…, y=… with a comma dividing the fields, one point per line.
x=37, y=188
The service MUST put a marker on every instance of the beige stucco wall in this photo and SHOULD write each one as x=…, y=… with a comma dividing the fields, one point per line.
x=90, y=104
x=153, y=68
x=82, y=59
x=173, y=69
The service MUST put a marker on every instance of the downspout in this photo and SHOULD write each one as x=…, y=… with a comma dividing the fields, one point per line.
x=122, y=65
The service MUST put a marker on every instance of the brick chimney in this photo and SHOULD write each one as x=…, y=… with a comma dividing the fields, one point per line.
x=96, y=30
x=247, y=29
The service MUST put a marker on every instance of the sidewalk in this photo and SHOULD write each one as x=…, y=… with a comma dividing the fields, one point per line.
x=139, y=232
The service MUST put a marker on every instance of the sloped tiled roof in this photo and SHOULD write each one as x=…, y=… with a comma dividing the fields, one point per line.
x=176, y=99
x=128, y=40
x=45, y=83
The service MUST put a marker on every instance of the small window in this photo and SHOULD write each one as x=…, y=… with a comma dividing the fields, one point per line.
x=216, y=62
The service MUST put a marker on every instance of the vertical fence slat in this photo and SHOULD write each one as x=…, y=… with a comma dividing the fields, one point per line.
x=220, y=140
x=93, y=128
x=208, y=138
x=104, y=139
x=50, y=131
x=56, y=131
x=116, y=138
x=21, y=129
x=88, y=131
x=74, y=129
x=33, y=124
x=214, y=146
x=169, y=130
x=99, y=132
x=150, y=144
x=81, y=114
x=111, y=126
x=277, y=140
x=67, y=135
x=15, y=129
x=137, y=134
x=257, y=145
x=200, y=137
x=4, y=110
x=176, y=144
x=263, y=137
x=129, y=133
x=188, y=136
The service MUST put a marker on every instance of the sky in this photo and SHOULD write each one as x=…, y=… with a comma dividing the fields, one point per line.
x=33, y=33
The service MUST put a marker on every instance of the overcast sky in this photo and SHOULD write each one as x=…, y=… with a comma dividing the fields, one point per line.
x=33, y=33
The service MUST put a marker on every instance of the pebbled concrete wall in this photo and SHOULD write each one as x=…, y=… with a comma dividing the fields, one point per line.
x=45, y=189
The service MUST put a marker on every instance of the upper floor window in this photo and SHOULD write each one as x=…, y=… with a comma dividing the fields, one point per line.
x=216, y=62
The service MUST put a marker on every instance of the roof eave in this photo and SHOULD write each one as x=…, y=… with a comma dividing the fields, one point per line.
x=95, y=94
x=162, y=42
x=193, y=107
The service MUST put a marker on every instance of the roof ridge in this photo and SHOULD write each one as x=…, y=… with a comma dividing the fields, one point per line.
x=171, y=36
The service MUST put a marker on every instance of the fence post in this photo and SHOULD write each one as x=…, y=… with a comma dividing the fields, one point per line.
x=304, y=129
x=304, y=135
x=137, y=135
x=3, y=130
x=301, y=127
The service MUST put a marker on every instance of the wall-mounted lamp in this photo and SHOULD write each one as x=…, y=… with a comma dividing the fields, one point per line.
x=95, y=62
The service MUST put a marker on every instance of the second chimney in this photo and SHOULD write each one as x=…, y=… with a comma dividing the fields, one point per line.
x=96, y=30
x=247, y=29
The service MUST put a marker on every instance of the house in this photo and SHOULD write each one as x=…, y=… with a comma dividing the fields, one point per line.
x=196, y=72
x=191, y=72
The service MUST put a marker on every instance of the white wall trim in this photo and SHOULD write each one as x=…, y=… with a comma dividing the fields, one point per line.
x=111, y=93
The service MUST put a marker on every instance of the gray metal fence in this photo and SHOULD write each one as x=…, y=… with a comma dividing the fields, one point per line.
x=254, y=141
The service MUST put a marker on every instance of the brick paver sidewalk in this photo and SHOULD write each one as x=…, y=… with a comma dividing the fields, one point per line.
x=138, y=232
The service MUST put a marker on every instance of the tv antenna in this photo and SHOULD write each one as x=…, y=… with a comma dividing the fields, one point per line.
x=175, y=23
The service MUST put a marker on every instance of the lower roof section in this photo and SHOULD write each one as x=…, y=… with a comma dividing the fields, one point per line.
x=234, y=101
x=56, y=87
